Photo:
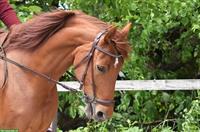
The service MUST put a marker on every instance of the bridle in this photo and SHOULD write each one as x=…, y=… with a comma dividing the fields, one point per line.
x=87, y=59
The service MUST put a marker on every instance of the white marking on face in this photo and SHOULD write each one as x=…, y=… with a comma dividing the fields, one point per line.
x=116, y=62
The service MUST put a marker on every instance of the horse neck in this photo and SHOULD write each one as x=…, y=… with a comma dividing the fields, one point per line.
x=56, y=55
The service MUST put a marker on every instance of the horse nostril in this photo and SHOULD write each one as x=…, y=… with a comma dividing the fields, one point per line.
x=100, y=114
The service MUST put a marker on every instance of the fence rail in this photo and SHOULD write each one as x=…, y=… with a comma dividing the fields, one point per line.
x=129, y=85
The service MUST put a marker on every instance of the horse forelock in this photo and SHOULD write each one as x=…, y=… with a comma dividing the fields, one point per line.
x=122, y=45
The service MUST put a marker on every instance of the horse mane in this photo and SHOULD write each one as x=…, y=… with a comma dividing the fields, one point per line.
x=32, y=34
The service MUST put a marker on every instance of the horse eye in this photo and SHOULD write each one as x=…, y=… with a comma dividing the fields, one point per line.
x=101, y=68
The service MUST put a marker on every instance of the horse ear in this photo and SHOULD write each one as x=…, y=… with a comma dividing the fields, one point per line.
x=110, y=34
x=125, y=31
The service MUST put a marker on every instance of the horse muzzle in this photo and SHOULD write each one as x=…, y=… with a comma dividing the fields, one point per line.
x=98, y=112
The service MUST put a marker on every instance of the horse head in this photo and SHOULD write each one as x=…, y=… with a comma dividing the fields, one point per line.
x=97, y=68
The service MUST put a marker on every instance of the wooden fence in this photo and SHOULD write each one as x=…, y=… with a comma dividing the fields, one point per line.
x=132, y=85
x=129, y=85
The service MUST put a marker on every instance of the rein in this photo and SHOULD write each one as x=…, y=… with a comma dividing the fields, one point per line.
x=88, y=58
x=3, y=57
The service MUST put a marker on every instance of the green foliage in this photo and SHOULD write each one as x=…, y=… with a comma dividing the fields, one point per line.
x=192, y=116
x=164, y=37
x=25, y=11
x=70, y=103
x=113, y=125
x=165, y=40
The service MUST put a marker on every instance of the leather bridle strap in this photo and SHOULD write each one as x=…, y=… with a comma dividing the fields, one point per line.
x=5, y=63
x=36, y=73
x=89, y=99
x=89, y=56
x=93, y=99
x=108, y=53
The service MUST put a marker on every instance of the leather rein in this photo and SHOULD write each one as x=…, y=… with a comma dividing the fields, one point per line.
x=88, y=59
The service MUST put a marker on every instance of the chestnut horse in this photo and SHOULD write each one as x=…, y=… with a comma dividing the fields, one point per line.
x=37, y=53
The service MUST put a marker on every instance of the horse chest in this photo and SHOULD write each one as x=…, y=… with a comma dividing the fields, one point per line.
x=31, y=113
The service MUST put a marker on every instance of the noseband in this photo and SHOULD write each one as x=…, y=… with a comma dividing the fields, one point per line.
x=88, y=59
